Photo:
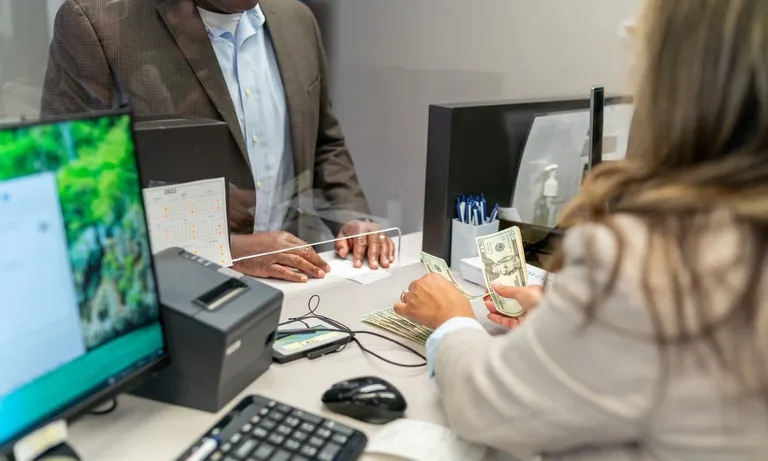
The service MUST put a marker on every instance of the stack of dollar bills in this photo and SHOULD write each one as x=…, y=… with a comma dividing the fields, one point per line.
x=503, y=262
x=401, y=326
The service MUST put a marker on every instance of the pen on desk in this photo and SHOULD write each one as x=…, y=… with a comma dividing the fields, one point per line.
x=208, y=446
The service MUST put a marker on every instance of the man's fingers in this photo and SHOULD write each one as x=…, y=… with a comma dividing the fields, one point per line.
x=401, y=309
x=374, y=249
x=297, y=262
x=311, y=255
x=358, y=250
x=384, y=253
x=281, y=272
x=391, y=250
x=342, y=248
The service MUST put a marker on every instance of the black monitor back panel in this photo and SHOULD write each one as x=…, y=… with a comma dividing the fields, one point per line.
x=473, y=149
x=179, y=151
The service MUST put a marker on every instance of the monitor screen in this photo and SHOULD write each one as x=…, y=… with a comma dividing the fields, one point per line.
x=79, y=311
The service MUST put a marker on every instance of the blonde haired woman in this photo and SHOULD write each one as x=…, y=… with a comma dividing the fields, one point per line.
x=653, y=343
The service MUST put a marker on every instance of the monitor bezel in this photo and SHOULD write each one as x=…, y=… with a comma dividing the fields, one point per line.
x=93, y=398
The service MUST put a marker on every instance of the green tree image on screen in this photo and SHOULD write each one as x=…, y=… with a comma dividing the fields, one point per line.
x=93, y=161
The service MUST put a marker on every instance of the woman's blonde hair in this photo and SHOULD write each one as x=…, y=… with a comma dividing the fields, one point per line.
x=699, y=143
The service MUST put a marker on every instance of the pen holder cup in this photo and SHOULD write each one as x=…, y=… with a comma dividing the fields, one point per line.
x=463, y=240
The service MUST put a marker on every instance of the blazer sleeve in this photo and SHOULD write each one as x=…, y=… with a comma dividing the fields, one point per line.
x=334, y=169
x=78, y=78
x=559, y=382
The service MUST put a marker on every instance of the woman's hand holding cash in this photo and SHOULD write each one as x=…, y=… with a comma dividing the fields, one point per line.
x=528, y=298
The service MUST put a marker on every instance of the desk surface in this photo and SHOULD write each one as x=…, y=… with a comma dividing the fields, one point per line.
x=147, y=430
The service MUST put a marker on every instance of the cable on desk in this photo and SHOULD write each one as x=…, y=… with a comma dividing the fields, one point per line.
x=107, y=410
x=352, y=335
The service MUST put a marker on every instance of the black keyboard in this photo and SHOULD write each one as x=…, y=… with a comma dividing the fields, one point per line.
x=260, y=429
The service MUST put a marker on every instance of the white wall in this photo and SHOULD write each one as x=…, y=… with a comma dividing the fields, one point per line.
x=390, y=59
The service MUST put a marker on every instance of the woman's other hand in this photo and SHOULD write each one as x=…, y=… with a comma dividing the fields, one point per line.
x=432, y=300
x=528, y=297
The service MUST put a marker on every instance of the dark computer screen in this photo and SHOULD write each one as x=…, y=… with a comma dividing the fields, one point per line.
x=79, y=311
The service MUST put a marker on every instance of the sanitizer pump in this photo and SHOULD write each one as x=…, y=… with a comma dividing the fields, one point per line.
x=544, y=214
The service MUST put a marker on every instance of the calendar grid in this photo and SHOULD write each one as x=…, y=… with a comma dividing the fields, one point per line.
x=192, y=216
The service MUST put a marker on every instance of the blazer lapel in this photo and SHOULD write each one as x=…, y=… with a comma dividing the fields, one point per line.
x=183, y=20
x=290, y=72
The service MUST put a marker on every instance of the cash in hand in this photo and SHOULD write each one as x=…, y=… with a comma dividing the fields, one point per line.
x=438, y=266
x=503, y=261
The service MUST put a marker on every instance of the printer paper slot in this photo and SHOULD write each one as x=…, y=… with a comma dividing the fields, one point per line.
x=222, y=294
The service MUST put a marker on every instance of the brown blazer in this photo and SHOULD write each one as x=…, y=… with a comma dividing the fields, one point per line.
x=158, y=56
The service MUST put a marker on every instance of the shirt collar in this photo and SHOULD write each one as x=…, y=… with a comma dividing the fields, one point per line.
x=254, y=15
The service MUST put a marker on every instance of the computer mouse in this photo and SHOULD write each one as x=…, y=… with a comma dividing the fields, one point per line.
x=368, y=399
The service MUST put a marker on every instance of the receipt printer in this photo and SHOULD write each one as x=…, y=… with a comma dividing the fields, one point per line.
x=219, y=327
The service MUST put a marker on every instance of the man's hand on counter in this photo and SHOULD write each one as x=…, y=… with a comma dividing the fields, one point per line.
x=295, y=265
x=377, y=248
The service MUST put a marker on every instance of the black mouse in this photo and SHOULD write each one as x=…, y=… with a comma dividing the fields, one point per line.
x=371, y=400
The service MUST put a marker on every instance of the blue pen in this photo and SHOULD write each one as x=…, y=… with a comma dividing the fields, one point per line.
x=494, y=213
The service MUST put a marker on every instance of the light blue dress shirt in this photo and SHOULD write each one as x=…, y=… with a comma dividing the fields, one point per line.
x=247, y=59
x=437, y=336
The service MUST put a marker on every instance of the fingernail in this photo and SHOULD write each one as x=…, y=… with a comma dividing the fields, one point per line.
x=304, y=278
x=374, y=264
x=327, y=267
x=320, y=274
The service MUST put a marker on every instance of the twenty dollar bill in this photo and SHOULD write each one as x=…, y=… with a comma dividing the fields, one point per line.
x=504, y=264
x=439, y=266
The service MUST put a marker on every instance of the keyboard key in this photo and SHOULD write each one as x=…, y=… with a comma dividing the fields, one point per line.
x=280, y=455
x=308, y=428
x=323, y=433
x=316, y=442
x=292, y=444
x=259, y=433
x=340, y=439
x=310, y=418
x=300, y=436
x=245, y=449
x=225, y=448
x=264, y=411
x=263, y=452
x=283, y=408
x=329, y=452
x=299, y=458
x=267, y=424
x=283, y=430
x=308, y=451
x=277, y=439
x=235, y=438
x=255, y=419
x=229, y=458
x=276, y=416
x=336, y=427
x=246, y=428
x=216, y=456
x=292, y=421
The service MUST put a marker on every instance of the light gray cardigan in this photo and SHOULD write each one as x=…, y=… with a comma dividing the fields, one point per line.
x=556, y=388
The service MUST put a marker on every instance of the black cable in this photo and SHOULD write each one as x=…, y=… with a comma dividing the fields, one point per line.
x=108, y=410
x=351, y=335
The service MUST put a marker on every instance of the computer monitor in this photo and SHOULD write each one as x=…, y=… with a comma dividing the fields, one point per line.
x=79, y=309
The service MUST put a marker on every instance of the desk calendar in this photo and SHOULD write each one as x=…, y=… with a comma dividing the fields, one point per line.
x=192, y=216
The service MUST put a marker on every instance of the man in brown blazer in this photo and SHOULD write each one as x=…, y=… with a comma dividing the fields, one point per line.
x=166, y=61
